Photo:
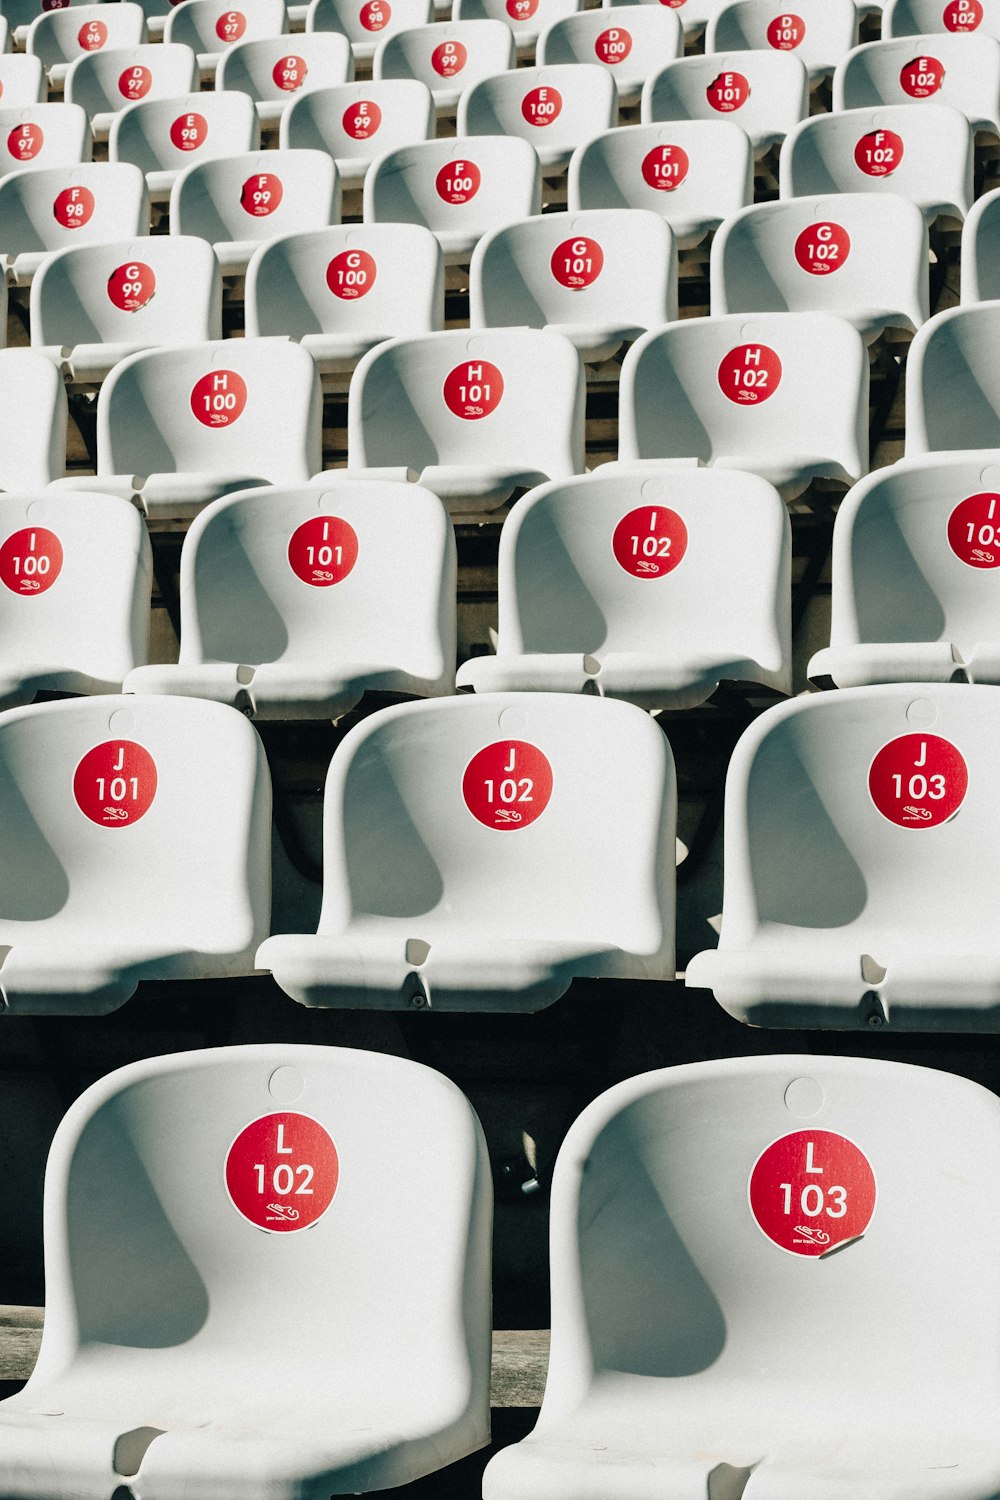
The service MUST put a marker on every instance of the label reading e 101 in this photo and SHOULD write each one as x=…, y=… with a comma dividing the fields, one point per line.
x=219, y=398
x=728, y=92
x=135, y=83
x=750, y=374
x=811, y=1191
x=665, y=168
x=230, y=26
x=473, y=390
x=289, y=73
x=542, y=105
x=323, y=550
x=918, y=780
x=458, y=181
x=25, y=141
x=261, y=194
x=115, y=783
x=879, y=153
x=449, y=58
x=74, y=207
x=613, y=45
x=577, y=263
x=282, y=1172
x=963, y=15
x=30, y=561
x=650, y=542
x=822, y=248
x=132, y=286
x=507, y=784
x=974, y=530
x=351, y=274
x=786, y=32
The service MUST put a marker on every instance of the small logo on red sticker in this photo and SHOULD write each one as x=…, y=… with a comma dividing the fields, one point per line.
x=963, y=15
x=665, y=168
x=812, y=1191
x=282, y=1172
x=323, y=550
x=786, y=32
x=822, y=248
x=613, y=45
x=458, y=181
x=508, y=784
x=918, y=780
x=115, y=783
x=219, y=398
x=362, y=120
x=30, y=561
x=449, y=58
x=261, y=195
x=473, y=390
x=25, y=142
x=376, y=15
x=231, y=26
x=188, y=132
x=650, y=542
x=351, y=274
x=92, y=36
x=135, y=83
x=289, y=73
x=73, y=207
x=577, y=263
x=921, y=77
x=728, y=92
x=879, y=153
x=541, y=106
x=132, y=286
x=521, y=10
x=750, y=374
x=974, y=530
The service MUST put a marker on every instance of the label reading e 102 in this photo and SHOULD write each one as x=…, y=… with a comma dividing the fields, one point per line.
x=507, y=784
x=974, y=530
x=115, y=783
x=918, y=780
x=750, y=374
x=473, y=390
x=650, y=542
x=665, y=168
x=219, y=398
x=811, y=1191
x=921, y=77
x=323, y=550
x=30, y=561
x=282, y=1172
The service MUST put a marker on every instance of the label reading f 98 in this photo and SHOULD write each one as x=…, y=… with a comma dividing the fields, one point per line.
x=811, y=1191
x=918, y=780
x=74, y=207
x=507, y=784
x=282, y=1172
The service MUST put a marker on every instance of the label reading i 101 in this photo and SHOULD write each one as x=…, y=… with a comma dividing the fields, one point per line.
x=323, y=550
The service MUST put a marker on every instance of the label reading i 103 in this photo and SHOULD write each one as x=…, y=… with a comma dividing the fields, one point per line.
x=473, y=390
x=323, y=550
x=918, y=780
x=507, y=784
x=974, y=530
x=812, y=1190
x=115, y=783
x=30, y=561
x=282, y=1172
x=650, y=542
x=750, y=374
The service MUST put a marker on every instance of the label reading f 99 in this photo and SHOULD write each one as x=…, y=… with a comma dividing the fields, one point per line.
x=750, y=374
x=918, y=780
x=30, y=561
x=650, y=542
x=219, y=398
x=507, y=784
x=323, y=550
x=282, y=1172
x=974, y=530
x=811, y=1191
x=115, y=783
x=473, y=390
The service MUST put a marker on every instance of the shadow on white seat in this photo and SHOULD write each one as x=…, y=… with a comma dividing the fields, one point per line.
x=366, y=23
x=105, y=82
x=274, y=70
x=980, y=259
x=820, y=32
x=43, y=135
x=33, y=421
x=552, y=108
x=356, y=122
x=448, y=56
x=958, y=70
x=22, y=80
x=632, y=44
x=953, y=382
x=163, y=137
x=58, y=37
x=47, y=208
x=767, y=93
x=913, y=17
x=210, y=27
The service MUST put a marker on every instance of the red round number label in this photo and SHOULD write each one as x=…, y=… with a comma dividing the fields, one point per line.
x=812, y=1191
x=130, y=287
x=351, y=274
x=750, y=374
x=577, y=263
x=521, y=10
x=282, y=1172
x=473, y=390
x=219, y=398
x=92, y=36
x=650, y=542
x=323, y=550
x=362, y=120
x=375, y=16
x=458, y=181
x=786, y=32
x=289, y=73
x=963, y=15
x=135, y=83
x=613, y=45
x=231, y=26
x=665, y=168
x=921, y=77
x=918, y=780
x=822, y=248
x=508, y=784
x=74, y=207
x=25, y=142
x=261, y=195
x=449, y=58
x=728, y=92
x=31, y=560
x=188, y=132
x=879, y=153
x=48, y=5
x=974, y=530
x=541, y=106
x=115, y=783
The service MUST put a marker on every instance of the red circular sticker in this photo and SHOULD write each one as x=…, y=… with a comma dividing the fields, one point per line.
x=613, y=45
x=963, y=15
x=375, y=15
x=822, y=248
x=31, y=560
x=650, y=542
x=282, y=1172
x=473, y=390
x=750, y=374
x=25, y=141
x=665, y=168
x=508, y=784
x=812, y=1191
x=449, y=58
x=289, y=73
x=521, y=10
x=48, y=5
x=92, y=36
x=921, y=77
x=674, y=4
x=458, y=181
x=219, y=398
x=323, y=550
x=974, y=530
x=231, y=26
x=786, y=32
x=262, y=193
x=115, y=783
x=351, y=274
x=73, y=207
x=131, y=286
x=577, y=263
x=728, y=92
x=362, y=120
x=918, y=780
x=135, y=83
x=188, y=132
x=541, y=106
x=879, y=153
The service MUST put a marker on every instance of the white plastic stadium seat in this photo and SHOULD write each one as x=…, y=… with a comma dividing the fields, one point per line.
x=92, y=305
x=923, y=154
x=449, y=56
x=636, y=586
x=682, y=1298
x=105, y=82
x=235, y=202
x=425, y=903
x=981, y=250
x=155, y=11
x=143, y=829
x=177, y=428
x=19, y=15
x=33, y=418
x=820, y=32
x=767, y=93
x=553, y=108
x=22, y=80
x=59, y=37
x=632, y=44
x=379, y=1378
x=963, y=71
x=694, y=15
x=601, y=278
x=295, y=602
x=75, y=577
x=527, y=19
x=210, y=27
x=47, y=208
x=784, y=395
x=916, y=17
x=163, y=137
x=693, y=173
x=907, y=608
x=274, y=71
x=43, y=135
x=953, y=382
x=885, y=912
x=460, y=189
x=356, y=122
x=366, y=23
x=862, y=257
x=472, y=417
x=341, y=291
